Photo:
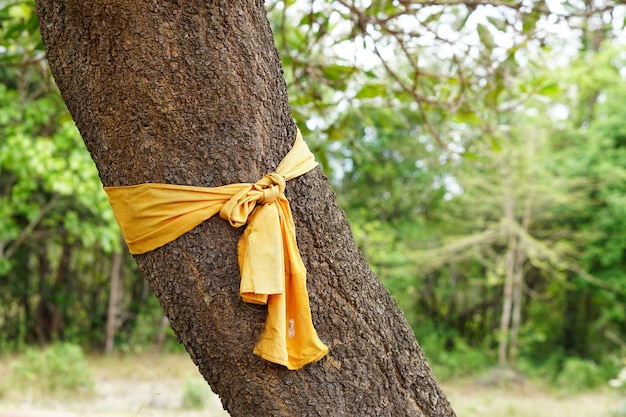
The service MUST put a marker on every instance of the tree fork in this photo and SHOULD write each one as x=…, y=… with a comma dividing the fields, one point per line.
x=193, y=94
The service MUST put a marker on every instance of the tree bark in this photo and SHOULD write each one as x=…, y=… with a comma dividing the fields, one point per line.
x=193, y=94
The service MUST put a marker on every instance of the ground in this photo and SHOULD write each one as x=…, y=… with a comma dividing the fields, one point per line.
x=469, y=399
x=156, y=385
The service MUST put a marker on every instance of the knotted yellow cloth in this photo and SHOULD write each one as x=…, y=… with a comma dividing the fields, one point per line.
x=272, y=272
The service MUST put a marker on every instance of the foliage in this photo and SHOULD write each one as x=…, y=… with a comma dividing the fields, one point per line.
x=619, y=382
x=195, y=394
x=57, y=230
x=579, y=375
x=445, y=257
x=451, y=356
x=148, y=329
x=60, y=368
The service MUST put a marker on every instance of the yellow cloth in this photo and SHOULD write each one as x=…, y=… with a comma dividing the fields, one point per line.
x=272, y=272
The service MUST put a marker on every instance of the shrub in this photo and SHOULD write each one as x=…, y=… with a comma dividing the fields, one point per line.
x=578, y=375
x=195, y=394
x=452, y=357
x=619, y=383
x=61, y=367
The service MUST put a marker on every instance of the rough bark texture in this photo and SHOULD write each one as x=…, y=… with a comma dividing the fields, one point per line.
x=192, y=93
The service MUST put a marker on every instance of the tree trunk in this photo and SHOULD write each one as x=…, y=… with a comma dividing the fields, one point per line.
x=115, y=295
x=193, y=94
x=508, y=208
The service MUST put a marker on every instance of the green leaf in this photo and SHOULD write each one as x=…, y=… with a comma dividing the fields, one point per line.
x=529, y=20
x=499, y=24
x=550, y=90
x=370, y=74
x=471, y=156
x=495, y=144
x=485, y=36
x=337, y=72
x=372, y=90
x=467, y=117
x=434, y=17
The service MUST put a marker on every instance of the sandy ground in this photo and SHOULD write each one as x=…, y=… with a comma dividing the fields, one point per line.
x=154, y=385
x=470, y=399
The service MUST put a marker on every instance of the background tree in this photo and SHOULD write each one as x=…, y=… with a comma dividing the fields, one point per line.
x=503, y=237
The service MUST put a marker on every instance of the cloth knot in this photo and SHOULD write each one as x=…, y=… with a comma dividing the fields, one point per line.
x=271, y=269
x=272, y=185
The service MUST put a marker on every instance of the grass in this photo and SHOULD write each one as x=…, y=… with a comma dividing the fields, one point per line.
x=164, y=385
x=61, y=368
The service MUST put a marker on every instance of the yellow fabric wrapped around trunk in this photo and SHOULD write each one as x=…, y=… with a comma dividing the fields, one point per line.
x=272, y=272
